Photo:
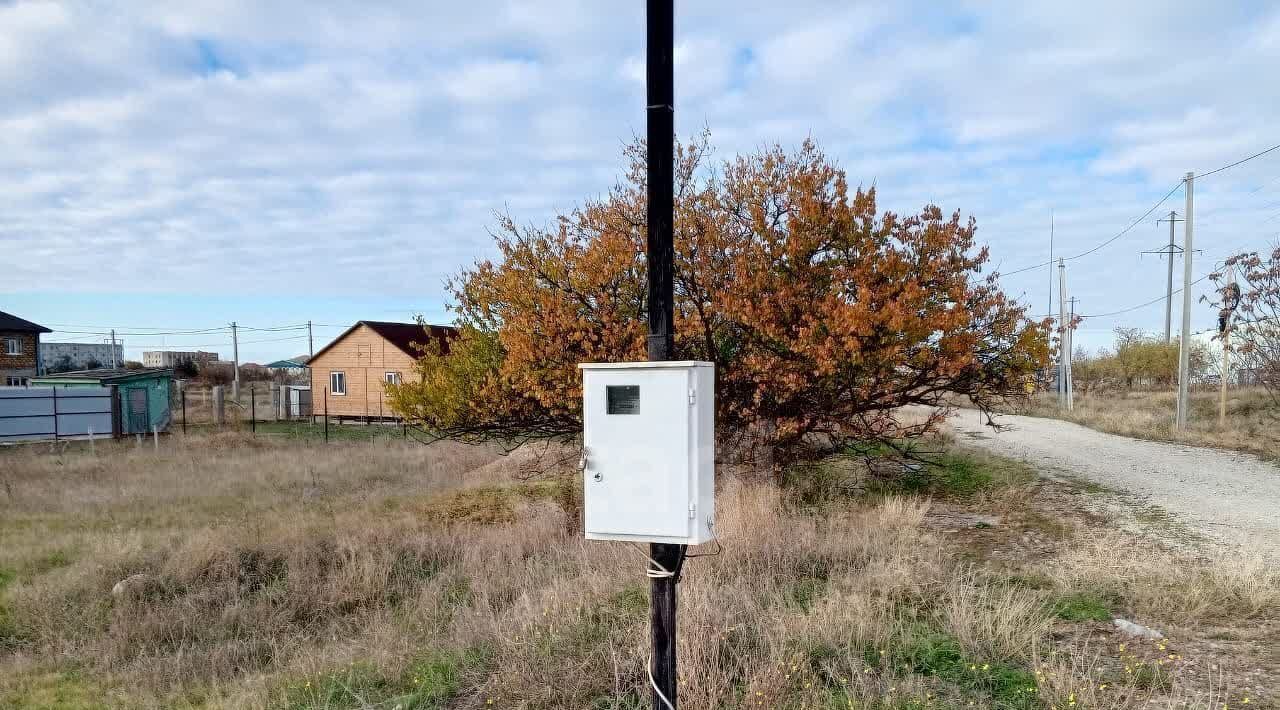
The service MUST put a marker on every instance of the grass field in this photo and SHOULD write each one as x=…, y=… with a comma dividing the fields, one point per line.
x=1252, y=422
x=278, y=572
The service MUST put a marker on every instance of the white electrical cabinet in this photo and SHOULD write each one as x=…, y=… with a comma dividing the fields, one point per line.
x=649, y=451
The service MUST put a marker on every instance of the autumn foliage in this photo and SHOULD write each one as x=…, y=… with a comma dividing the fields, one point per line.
x=823, y=317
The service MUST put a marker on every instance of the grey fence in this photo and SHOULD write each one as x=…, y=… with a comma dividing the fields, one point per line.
x=37, y=413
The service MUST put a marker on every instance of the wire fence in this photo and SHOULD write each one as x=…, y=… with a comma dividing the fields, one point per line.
x=273, y=410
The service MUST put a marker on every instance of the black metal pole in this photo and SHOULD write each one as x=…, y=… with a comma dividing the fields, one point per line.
x=253, y=410
x=660, y=143
x=326, y=415
x=183, y=393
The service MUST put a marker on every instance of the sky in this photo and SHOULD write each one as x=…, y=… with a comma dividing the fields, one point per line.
x=178, y=166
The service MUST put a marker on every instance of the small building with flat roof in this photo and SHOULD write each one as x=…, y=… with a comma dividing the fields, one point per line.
x=144, y=394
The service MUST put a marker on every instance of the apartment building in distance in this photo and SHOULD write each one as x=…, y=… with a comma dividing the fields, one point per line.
x=172, y=358
x=66, y=357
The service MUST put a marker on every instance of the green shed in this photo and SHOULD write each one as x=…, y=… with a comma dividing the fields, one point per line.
x=143, y=394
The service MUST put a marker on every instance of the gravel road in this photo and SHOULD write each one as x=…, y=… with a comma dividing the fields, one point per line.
x=1230, y=497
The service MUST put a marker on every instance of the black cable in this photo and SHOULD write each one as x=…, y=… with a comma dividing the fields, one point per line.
x=1238, y=162
x=1119, y=234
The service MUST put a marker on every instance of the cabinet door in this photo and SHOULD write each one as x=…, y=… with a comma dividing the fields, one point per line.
x=637, y=452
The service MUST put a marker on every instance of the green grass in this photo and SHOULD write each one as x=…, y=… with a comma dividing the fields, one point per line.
x=11, y=637
x=922, y=649
x=1082, y=606
x=50, y=691
x=428, y=683
x=956, y=473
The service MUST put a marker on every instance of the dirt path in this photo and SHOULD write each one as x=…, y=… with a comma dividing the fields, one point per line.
x=1230, y=497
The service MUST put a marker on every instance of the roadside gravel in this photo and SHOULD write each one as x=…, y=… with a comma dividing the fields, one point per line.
x=1226, y=496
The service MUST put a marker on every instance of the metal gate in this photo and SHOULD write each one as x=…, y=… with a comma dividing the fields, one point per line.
x=139, y=411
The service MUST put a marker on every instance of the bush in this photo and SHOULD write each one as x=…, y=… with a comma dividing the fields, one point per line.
x=865, y=314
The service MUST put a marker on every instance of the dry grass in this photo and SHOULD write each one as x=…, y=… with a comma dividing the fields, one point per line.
x=1252, y=423
x=393, y=575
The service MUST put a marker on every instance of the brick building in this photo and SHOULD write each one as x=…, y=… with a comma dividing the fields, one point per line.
x=19, y=350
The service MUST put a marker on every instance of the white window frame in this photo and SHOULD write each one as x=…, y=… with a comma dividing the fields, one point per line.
x=333, y=382
x=391, y=378
x=11, y=381
x=12, y=346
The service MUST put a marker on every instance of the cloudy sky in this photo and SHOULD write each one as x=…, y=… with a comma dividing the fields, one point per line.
x=180, y=165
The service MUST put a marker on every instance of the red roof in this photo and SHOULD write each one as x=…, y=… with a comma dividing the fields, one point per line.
x=402, y=335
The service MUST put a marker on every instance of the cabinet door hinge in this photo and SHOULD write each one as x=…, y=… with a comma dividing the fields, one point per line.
x=693, y=511
x=693, y=396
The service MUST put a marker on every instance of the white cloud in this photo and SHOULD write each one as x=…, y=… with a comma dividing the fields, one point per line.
x=493, y=82
x=362, y=148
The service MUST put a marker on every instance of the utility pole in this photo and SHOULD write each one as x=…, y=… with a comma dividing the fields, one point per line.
x=1184, y=346
x=665, y=559
x=113, y=349
x=1064, y=340
x=1226, y=346
x=1170, y=250
x=311, y=345
x=235, y=363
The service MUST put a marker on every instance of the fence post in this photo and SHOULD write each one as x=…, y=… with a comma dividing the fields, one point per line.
x=183, y=393
x=253, y=410
x=117, y=426
x=155, y=437
x=93, y=448
x=54, y=389
x=219, y=414
x=326, y=415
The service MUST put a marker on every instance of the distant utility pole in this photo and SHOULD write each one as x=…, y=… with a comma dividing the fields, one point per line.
x=311, y=345
x=1170, y=250
x=113, y=349
x=1184, y=346
x=235, y=363
x=1064, y=340
x=1229, y=308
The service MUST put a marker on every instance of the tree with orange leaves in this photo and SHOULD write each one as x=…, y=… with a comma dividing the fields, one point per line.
x=824, y=318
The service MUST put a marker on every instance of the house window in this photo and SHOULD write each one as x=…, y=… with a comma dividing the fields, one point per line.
x=392, y=378
x=14, y=381
x=337, y=383
x=13, y=346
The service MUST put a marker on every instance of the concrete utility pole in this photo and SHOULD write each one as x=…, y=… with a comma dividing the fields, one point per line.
x=113, y=349
x=1170, y=250
x=1064, y=340
x=311, y=345
x=235, y=363
x=1184, y=346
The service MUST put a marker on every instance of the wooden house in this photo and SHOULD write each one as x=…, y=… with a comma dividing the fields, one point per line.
x=348, y=376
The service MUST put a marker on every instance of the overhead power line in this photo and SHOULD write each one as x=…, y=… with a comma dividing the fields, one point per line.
x=1146, y=214
x=1201, y=176
x=1119, y=234
x=1144, y=305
